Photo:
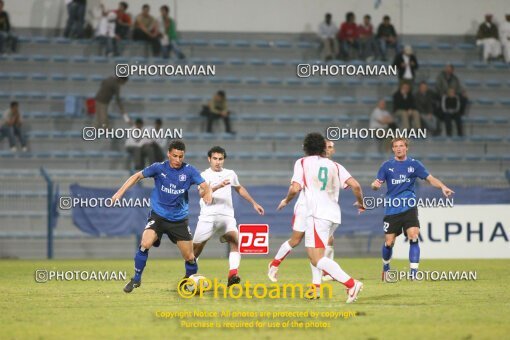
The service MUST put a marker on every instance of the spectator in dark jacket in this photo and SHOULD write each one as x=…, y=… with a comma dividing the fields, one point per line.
x=447, y=79
x=75, y=18
x=407, y=65
x=450, y=105
x=387, y=37
x=426, y=105
x=404, y=108
x=6, y=35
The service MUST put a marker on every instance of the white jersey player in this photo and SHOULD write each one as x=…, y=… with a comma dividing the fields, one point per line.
x=218, y=217
x=299, y=223
x=319, y=180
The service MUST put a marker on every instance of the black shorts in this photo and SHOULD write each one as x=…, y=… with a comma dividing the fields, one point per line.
x=395, y=224
x=176, y=230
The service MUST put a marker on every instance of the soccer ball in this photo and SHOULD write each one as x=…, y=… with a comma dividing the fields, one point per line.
x=198, y=281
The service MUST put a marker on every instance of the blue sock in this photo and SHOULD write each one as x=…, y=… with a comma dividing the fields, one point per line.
x=191, y=267
x=414, y=253
x=140, y=262
x=386, y=252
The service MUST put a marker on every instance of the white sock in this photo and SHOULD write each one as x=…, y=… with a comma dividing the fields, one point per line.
x=285, y=248
x=414, y=265
x=333, y=269
x=316, y=275
x=234, y=259
x=330, y=252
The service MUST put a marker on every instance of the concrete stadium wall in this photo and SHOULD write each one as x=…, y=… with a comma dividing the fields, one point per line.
x=431, y=17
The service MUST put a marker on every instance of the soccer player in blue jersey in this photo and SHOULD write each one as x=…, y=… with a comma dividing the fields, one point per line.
x=399, y=174
x=169, y=208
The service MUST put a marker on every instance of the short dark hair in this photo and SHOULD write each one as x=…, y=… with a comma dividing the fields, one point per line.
x=158, y=121
x=165, y=7
x=217, y=149
x=386, y=17
x=177, y=145
x=314, y=144
x=328, y=15
x=14, y=103
x=124, y=4
x=138, y=121
x=349, y=15
x=367, y=16
x=222, y=94
x=145, y=6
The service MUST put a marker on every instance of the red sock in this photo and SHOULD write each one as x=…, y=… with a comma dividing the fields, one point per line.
x=276, y=263
x=349, y=283
x=232, y=272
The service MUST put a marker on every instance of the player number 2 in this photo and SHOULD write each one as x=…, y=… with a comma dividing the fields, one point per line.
x=386, y=226
x=323, y=176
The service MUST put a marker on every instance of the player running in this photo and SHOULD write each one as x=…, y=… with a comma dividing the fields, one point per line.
x=399, y=174
x=169, y=213
x=319, y=180
x=298, y=226
x=218, y=217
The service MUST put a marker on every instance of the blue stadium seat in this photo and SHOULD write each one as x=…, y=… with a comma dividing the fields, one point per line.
x=235, y=61
x=241, y=43
x=41, y=40
x=434, y=157
x=505, y=102
x=174, y=98
x=422, y=46
x=269, y=99
x=472, y=83
x=19, y=76
x=347, y=100
x=39, y=76
x=444, y=46
x=473, y=158
x=80, y=59
x=494, y=83
x=369, y=100
x=257, y=62
x=40, y=58
x=289, y=99
x=249, y=99
x=60, y=59
x=57, y=96
x=23, y=58
x=233, y=80
x=99, y=60
x=277, y=62
x=282, y=44
x=262, y=43
x=310, y=100
x=220, y=43
x=465, y=46
x=78, y=77
x=329, y=100
x=252, y=81
x=58, y=77
x=37, y=95
x=97, y=77
x=274, y=81
x=479, y=65
x=485, y=101
x=500, y=120
x=156, y=98
x=199, y=42
x=306, y=44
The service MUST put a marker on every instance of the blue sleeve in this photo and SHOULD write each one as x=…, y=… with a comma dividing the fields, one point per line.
x=196, y=178
x=381, y=174
x=151, y=170
x=421, y=172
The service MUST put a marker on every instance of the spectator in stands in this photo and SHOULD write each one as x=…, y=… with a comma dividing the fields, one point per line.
x=109, y=87
x=381, y=119
x=134, y=147
x=160, y=145
x=426, y=105
x=13, y=127
x=404, y=108
x=105, y=32
x=75, y=18
x=123, y=24
x=387, y=37
x=447, y=79
x=217, y=109
x=146, y=29
x=488, y=37
x=504, y=36
x=169, y=34
x=451, y=107
x=367, y=43
x=6, y=35
x=327, y=32
x=407, y=65
x=348, y=37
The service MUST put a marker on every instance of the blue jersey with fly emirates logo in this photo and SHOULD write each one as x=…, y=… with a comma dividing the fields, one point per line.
x=400, y=177
x=169, y=198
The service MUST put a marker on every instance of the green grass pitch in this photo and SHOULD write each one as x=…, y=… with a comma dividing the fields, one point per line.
x=101, y=310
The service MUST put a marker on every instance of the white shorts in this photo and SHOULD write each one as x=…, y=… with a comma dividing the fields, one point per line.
x=208, y=226
x=299, y=222
x=318, y=232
